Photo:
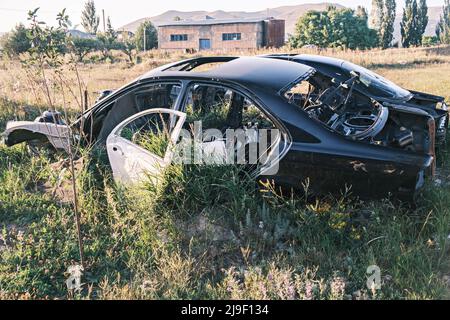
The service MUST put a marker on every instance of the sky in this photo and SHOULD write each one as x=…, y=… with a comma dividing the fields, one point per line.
x=123, y=12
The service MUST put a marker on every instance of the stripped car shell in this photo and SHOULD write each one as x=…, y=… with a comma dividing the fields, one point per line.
x=47, y=128
x=332, y=136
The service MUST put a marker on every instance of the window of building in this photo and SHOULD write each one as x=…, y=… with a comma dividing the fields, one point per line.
x=178, y=37
x=231, y=36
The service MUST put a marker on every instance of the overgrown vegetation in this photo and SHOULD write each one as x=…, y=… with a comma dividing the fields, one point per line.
x=184, y=240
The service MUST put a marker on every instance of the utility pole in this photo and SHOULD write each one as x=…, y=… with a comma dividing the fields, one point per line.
x=145, y=38
x=103, y=13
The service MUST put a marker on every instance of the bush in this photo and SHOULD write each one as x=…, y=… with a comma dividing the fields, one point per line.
x=338, y=28
x=428, y=41
x=106, y=44
x=82, y=46
x=16, y=41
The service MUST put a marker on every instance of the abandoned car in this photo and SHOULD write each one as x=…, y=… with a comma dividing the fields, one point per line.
x=335, y=124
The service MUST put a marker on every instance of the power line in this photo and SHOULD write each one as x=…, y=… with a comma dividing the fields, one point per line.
x=23, y=10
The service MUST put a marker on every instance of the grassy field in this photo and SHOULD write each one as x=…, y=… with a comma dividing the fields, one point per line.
x=182, y=240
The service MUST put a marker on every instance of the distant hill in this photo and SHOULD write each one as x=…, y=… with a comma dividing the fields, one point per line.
x=80, y=34
x=289, y=13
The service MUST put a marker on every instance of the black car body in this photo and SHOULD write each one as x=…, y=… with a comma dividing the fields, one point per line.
x=395, y=157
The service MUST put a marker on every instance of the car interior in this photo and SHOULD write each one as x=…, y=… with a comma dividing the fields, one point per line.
x=160, y=95
x=223, y=109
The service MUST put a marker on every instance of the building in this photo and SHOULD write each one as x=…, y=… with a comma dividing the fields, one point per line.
x=124, y=35
x=221, y=34
x=375, y=15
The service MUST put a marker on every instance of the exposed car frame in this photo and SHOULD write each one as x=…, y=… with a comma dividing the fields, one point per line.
x=340, y=69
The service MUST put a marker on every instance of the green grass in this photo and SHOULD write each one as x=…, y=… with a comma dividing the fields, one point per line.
x=184, y=240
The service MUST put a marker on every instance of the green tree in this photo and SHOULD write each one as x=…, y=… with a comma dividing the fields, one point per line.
x=414, y=23
x=151, y=36
x=128, y=46
x=386, y=32
x=342, y=28
x=314, y=28
x=422, y=19
x=82, y=46
x=407, y=25
x=443, y=26
x=110, y=32
x=89, y=18
x=106, y=44
x=15, y=41
x=363, y=34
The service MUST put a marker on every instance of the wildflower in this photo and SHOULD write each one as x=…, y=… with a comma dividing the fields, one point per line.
x=337, y=287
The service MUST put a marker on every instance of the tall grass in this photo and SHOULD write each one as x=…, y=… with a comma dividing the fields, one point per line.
x=208, y=232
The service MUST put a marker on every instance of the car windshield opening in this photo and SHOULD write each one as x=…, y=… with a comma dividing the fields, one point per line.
x=377, y=85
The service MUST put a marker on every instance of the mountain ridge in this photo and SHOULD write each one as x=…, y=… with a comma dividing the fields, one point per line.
x=289, y=13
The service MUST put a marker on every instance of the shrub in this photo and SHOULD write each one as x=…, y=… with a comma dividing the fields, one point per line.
x=428, y=41
x=340, y=28
x=82, y=46
x=16, y=41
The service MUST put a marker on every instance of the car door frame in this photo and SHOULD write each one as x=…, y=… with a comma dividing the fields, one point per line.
x=284, y=132
x=85, y=120
x=114, y=137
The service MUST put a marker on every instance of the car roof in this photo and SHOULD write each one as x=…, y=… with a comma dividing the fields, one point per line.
x=272, y=74
x=320, y=60
x=308, y=58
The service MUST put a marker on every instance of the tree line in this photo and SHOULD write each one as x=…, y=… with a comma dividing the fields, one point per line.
x=19, y=39
x=334, y=27
x=350, y=29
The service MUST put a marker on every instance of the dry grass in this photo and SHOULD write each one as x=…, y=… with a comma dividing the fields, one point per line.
x=424, y=69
